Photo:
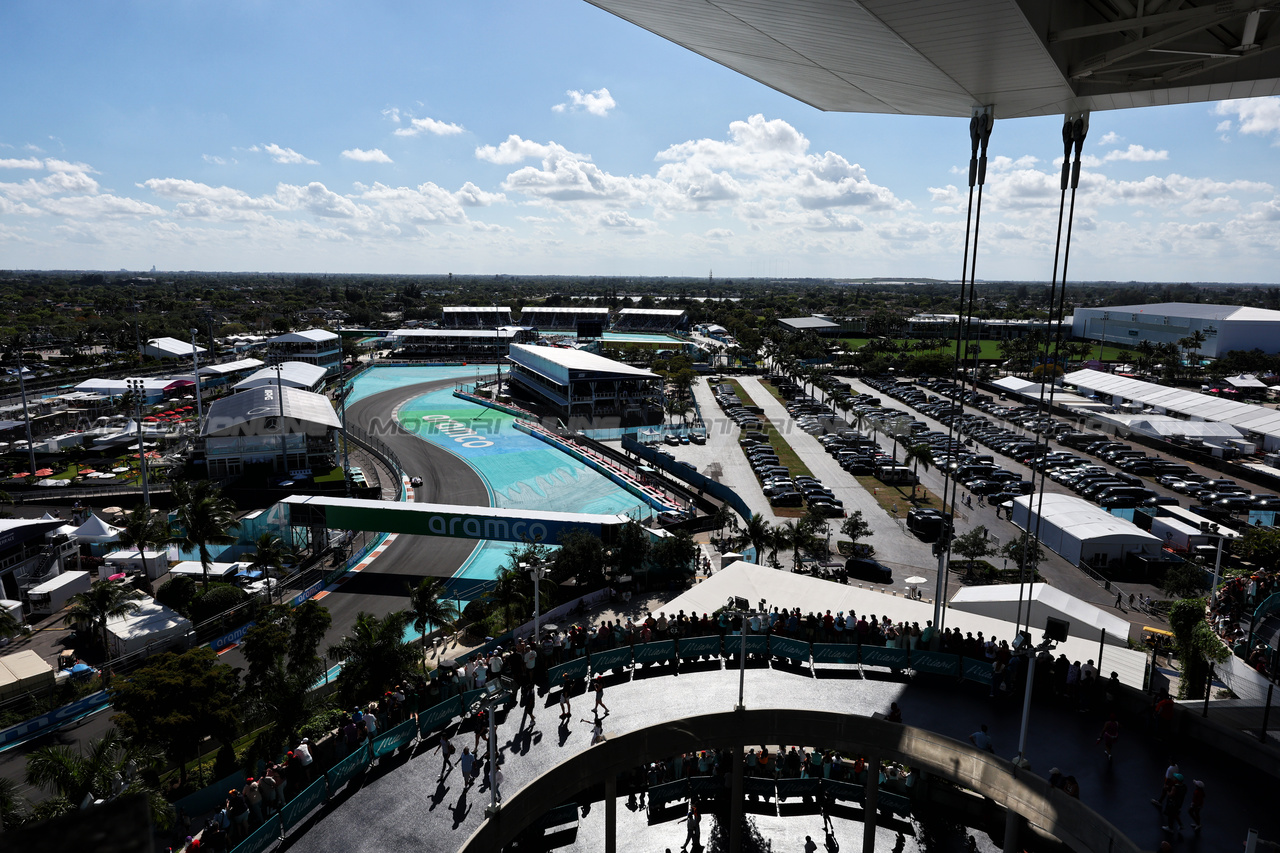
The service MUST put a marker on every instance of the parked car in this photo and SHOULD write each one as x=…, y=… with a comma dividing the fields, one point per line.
x=867, y=569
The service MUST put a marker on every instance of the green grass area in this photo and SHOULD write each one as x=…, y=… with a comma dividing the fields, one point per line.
x=786, y=453
x=896, y=500
x=334, y=476
x=990, y=350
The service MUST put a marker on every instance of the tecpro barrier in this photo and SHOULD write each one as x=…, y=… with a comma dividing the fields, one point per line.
x=261, y=838
x=349, y=767
x=662, y=650
x=57, y=717
x=309, y=799
x=394, y=738
x=604, y=661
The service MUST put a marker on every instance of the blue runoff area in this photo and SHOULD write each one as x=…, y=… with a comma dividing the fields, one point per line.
x=378, y=379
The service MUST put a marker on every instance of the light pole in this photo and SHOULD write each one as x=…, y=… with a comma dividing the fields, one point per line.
x=494, y=692
x=346, y=452
x=284, y=447
x=137, y=387
x=195, y=373
x=26, y=416
x=536, y=572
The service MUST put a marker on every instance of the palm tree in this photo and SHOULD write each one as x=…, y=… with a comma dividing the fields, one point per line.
x=142, y=529
x=105, y=600
x=756, y=533
x=1192, y=343
x=429, y=608
x=919, y=454
x=508, y=595
x=77, y=778
x=10, y=625
x=373, y=656
x=268, y=555
x=205, y=518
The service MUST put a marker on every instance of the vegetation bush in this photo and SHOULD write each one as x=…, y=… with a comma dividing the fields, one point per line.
x=177, y=594
x=321, y=723
x=219, y=598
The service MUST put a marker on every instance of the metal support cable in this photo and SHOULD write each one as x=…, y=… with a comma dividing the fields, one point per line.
x=980, y=125
x=1074, y=130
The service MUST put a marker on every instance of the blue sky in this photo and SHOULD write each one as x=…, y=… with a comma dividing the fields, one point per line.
x=551, y=137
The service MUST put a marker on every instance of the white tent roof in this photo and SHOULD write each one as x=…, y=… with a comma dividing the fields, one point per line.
x=152, y=621
x=1083, y=520
x=1244, y=380
x=95, y=529
x=1017, y=385
x=174, y=347
x=1165, y=426
x=230, y=367
x=307, y=336
x=293, y=374
x=1059, y=603
x=786, y=589
x=1246, y=416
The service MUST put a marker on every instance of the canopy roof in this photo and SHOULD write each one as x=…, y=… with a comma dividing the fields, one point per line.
x=1076, y=611
x=562, y=364
x=943, y=57
x=1083, y=520
x=95, y=529
x=307, y=336
x=230, y=367
x=293, y=374
x=258, y=411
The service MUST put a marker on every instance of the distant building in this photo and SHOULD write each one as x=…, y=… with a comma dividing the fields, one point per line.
x=823, y=326
x=564, y=319
x=944, y=326
x=476, y=317
x=649, y=320
x=291, y=430
x=1225, y=327
x=576, y=383
x=313, y=346
x=217, y=375
x=32, y=550
x=458, y=344
x=169, y=348
x=291, y=374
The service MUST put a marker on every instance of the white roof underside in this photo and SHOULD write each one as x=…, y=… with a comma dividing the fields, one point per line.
x=230, y=367
x=232, y=415
x=571, y=309
x=1192, y=311
x=1165, y=427
x=505, y=332
x=652, y=312
x=943, y=57
x=296, y=374
x=308, y=336
x=1246, y=416
x=579, y=360
x=786, y=589
x=174, y=347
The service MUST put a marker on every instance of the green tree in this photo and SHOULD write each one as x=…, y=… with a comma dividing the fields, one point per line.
x=673, y=556
x=973, y=545
x=1197, y=646
x=144, y=530
x=581, y=557
x=429, y=608
x=1025, y=552
x=631, y=548
x=13, y=808
x=10, y=625
x=175, y=701
x=204, y=518
x=855, y=527
x=917, y=455
x=509, y=599
x=1184, y=580
x=268, y=555
x=105, y=600
x=281, y=651
x=74, y=777
x=374, y=655
x=756, y=533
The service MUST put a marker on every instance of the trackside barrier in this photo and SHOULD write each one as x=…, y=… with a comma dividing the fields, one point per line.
x=798, y=787
x=935, y=663
x=310, y=798
x=710, y=785
x=660, y=795
x=575, y=669
x=837, y=790
x=894, y=659
x=696, y=647
x=210, y=797
x=887, y=801
x=656, y=652
x=785, y=647
x=757, y=644
x=835, y=653
x=977, y=670
x=57, y=717
x=560, y=816
x=469, y=697
x=757, y=786
x=261, y=838
x=440, y=715
x=394, y=738
x=348, y=768
x=611, y=659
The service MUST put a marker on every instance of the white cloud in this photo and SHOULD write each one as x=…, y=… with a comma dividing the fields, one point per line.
x=93, y=206
x=28, y=163
x=318, y=199
x=1255, y=115
x=598, y=102
x=392, y=113
x=215, y=160
x=1224, y=126
x=516, y=149
x=65, y=166
x=285, y=156
x=1136, y=154
x=1110, y=138
x=361, y=156
x=181, y=189
x=419, y=126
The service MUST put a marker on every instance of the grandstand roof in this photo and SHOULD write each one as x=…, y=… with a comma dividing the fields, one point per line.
x=664, y=312
x=230, y=367
x=1246, y=416
x=570, y=361
x=812, y=322
x=571, y=309
x=173, y=348
x=307, y=336
x=501, y=331
x=482, y=309
x=293, y=374
x=233, y=415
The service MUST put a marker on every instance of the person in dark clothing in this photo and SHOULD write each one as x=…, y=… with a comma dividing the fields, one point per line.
x=1173, y=803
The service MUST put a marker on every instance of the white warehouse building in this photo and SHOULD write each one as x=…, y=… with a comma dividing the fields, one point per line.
x=1079, y=531
x=1225, y=327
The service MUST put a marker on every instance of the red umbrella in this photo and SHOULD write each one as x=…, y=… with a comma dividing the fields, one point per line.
x=44, y=472
x=117, y=577
x=22, y=474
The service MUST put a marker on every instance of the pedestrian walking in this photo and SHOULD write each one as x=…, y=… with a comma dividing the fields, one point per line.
x=1110, y=733
x=597, y=728
x=467, y=763
x=565, y=712
x=1173, y=803
x=694, y=828
x=527, y=697
x=445, y=748
x=1197, y=803
x=1167, y=782
x=598, y=686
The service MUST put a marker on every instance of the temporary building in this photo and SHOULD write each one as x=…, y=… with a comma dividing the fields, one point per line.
x=1040, y=602
x=24, y=672
x=1079, y=531
x=152, y=626
x=95, y=529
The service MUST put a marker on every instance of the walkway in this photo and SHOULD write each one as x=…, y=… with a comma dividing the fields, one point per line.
x=400, y=804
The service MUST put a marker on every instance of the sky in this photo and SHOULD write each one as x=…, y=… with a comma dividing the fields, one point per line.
x=493, y=136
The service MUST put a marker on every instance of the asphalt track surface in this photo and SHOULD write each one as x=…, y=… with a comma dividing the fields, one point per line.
x=380, y=587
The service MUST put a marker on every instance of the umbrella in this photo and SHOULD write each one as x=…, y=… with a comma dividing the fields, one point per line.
x=912, y=581
x=120, y=469
x=81, y=667
x=112, y=510
x=119, y=576
x=22, y=474
x=87, y=471
x=109, y=477
x=44, y=472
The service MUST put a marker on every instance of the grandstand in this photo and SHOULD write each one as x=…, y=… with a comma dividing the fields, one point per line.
x=476, y=317
x=457, y=344
x=649, y=320
x=564, y=319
